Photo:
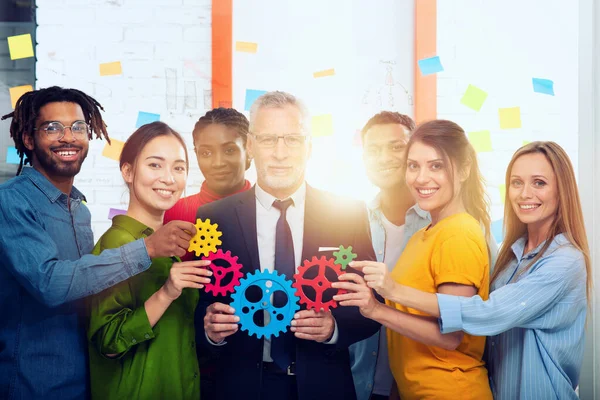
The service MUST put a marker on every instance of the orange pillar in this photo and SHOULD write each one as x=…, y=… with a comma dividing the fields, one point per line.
x=222, y=20
x=425, y=46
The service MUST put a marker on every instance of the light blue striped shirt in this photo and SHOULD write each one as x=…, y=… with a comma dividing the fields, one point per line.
x=535, y=320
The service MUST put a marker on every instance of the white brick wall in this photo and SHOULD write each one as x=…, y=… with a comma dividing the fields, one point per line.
x=147, y=36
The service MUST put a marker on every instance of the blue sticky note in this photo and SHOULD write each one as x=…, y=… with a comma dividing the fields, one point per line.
x=497, y=230
x=430, y=65
x=545, y=86
x=145, y=118
x=11, y=156
x=251, y=96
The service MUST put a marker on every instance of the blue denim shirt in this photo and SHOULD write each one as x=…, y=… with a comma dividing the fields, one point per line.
x=363, y=355
x=44, y=238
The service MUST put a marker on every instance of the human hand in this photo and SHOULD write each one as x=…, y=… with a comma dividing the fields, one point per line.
x=220, y=322
x=376, y=275
x=188, y=274
x=359, y=294
x=313, y=325
x=172, y=239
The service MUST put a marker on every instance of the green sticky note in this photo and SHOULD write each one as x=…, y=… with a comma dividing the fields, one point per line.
x=502, y=188
x=510, y=118
x=474, y=97
x=481, y=141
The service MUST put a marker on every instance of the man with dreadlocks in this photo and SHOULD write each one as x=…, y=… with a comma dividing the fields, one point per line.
x=45, y=244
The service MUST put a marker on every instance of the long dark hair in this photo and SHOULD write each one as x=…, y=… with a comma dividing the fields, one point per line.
x=451, y=142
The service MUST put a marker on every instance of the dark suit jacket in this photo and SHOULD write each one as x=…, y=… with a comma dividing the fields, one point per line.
x=322, y=371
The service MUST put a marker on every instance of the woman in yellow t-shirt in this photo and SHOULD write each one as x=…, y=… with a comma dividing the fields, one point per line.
x=449, y=256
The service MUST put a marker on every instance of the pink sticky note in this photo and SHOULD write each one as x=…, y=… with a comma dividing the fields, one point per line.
x=115, y=211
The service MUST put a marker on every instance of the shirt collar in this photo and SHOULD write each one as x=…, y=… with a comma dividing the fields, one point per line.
x=518, y=247
x=51, y=191
x=375, y=206
x=266, y=200
x=131, y=225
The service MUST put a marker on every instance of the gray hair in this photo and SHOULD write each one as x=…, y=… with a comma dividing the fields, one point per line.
x=278, y=99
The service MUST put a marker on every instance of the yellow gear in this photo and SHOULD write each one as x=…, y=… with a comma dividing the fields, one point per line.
x=206, y=238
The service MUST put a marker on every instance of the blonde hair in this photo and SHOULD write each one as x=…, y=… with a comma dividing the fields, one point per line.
x=568, y=219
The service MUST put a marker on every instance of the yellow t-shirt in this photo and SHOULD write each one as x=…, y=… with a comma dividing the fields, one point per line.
x=452, y=251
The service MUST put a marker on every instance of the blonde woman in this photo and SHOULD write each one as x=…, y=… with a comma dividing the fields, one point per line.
x=536, y=313
x=449, y=256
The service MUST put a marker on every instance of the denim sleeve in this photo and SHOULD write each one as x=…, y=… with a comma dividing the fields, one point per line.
x=34, y=261
x=523, y=304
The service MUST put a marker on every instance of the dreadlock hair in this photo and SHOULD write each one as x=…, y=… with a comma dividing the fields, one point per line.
x=27, y=110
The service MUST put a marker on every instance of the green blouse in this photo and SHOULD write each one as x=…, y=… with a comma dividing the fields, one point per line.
x=150, y=363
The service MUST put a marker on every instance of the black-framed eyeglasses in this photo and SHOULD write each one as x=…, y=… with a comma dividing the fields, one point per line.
x=56, y=131
x=292, y=141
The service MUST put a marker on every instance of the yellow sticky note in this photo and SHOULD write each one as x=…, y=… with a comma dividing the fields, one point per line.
x=16, y=93
x=111, y=68
x=322, y=125
x=113, y=150
x=481, y=141
x=321, y=74
x=474, y=97
x=510, y=118
x=502, y=188
x=246, y=47
x=525, y=142
x=20, y=46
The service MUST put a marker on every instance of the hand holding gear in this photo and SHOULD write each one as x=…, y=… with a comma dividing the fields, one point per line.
x=206, y=238
x=233, y=271
x=344, y=256
x=317, y=274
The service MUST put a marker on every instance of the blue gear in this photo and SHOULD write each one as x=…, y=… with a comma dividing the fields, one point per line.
x=269, y=283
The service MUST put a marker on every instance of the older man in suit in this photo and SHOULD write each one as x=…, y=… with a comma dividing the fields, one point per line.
x=275, y=226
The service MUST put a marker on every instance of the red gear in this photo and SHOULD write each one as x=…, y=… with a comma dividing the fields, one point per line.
x=320, y=283
x=220, y=273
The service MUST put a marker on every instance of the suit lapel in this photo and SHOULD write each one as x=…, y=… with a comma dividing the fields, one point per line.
x=246, y=213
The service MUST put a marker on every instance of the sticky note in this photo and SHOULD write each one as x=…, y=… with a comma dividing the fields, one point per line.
x=11, y=155
x=481, y=141
x=115, y=211
x=246, y=47
x=113, y=150
x=322, y=125
x=502, y=189
x=496, y=228
x=510, y=118
x=16, y=93
x=20, y=46
x=474, y=97
x=251, y=96
x=526, y=142
x=111, y=68
x=430, y=65
x=146, y=118
x=545, y=86
x=321, y=74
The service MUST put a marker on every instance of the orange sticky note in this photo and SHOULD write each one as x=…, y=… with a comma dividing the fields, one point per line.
x=322, y=125
x=327, y=72
x=111, y=68
x=20, y=46
x=16, y=93
x=246, y=47
x=510, y=118
x=113, y=150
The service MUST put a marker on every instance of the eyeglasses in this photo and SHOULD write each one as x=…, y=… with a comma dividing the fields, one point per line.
x=56, y=131
x=292, y=141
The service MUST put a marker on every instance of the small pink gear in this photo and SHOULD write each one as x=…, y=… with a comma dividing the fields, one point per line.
x=220, y=272
x=320, y=283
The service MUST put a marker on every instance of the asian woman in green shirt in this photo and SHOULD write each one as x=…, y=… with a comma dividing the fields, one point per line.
x=141, y=332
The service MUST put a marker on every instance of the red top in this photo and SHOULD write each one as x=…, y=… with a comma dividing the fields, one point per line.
x=185, y=209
